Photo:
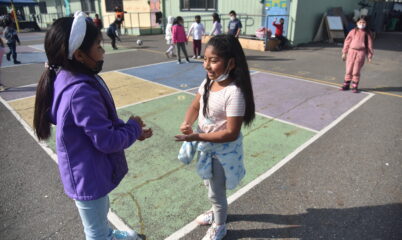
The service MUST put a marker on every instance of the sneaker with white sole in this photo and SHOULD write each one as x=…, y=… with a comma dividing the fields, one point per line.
x=194, y=57
x=125, y=235
x=215, y=232
x=199, y=57
x=206, y=218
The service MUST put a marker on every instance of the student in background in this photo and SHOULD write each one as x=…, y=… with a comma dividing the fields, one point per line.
x=112, y=34
x=358, y=45
x=169, y=37
x=98, y=22
x=10, y=34
x=217, y=26
x=234, y=27
x=279, y=32
x=180, y=39
x=197, y=31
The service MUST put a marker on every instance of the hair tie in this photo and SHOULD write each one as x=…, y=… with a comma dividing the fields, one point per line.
x=77, y=33
x=50, y=67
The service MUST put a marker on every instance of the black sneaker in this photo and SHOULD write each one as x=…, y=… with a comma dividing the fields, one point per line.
x=8, y=56
x=17, y=62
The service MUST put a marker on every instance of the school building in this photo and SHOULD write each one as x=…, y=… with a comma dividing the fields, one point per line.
x=302, y=17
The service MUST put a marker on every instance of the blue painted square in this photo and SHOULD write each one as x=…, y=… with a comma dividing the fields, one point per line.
x=181, y=76
x=25, y=58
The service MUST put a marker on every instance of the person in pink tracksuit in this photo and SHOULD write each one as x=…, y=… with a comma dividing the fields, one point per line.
x=358, y=44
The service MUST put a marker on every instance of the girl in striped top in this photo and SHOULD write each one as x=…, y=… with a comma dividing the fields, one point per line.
x=223, y=103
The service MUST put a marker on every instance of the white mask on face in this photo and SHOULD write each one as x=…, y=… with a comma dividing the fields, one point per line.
x=361, y=26
x=223, y=76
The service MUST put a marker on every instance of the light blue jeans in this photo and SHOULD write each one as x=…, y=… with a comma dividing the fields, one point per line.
x=94, y=218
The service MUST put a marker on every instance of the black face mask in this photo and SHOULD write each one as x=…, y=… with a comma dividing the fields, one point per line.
x=98, y=66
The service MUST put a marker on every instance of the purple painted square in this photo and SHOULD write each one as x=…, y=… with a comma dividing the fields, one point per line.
x=301, y=102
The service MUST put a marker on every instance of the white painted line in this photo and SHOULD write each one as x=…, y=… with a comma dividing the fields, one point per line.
x=113, y=218
x=159, y=84
x=44, y=146
x=147, y=100
x=17, y=99
x=19, y=65
x=286, y=122
x=148, y=65
x=191, y=226
x=299, y=79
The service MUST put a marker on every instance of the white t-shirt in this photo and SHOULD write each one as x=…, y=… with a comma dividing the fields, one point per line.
x=227, y=102
x=197, y=29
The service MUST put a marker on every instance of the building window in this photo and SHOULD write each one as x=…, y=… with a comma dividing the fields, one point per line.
x=88, y=5
x=111, y=4
x=198, y=5
x=42, y=7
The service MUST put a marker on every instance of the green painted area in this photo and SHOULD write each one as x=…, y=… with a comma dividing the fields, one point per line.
x=160, y=195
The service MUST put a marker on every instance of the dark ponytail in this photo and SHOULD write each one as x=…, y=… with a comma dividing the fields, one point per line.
x=43, y=104
x=56, y=48
x=228, y=47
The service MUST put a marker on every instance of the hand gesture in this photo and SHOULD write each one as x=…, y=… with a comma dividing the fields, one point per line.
x=187, y=138
x=138, y=120
x=186, y=129
x=146, y=133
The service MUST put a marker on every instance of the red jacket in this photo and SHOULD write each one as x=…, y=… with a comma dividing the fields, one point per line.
x=279, y=29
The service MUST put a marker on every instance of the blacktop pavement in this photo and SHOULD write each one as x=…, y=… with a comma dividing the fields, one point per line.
x=345, y=185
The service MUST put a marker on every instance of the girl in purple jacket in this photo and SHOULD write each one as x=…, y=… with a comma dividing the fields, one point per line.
x=90, y=138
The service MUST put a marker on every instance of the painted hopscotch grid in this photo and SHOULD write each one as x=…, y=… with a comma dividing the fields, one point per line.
x=164, y=112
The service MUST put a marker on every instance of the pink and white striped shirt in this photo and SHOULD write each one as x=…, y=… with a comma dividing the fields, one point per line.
x=227, y=102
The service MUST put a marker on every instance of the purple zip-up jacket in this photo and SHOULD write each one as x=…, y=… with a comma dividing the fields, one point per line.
x=90, y=138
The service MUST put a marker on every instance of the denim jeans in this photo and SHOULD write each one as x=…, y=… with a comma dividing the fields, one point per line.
x=94, y=218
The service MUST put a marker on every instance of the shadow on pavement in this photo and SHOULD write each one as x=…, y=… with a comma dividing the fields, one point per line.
x=371, y=222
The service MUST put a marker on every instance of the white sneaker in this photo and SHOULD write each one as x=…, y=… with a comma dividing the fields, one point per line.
x=199, y=57
x=206, y=218
x=215, y=232
x=194, y=57
x=125, y=235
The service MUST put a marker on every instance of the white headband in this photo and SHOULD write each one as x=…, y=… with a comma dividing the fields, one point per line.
x=77, y=34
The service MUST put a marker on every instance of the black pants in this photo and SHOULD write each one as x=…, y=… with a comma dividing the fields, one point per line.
x=13, y=51
x=181, y=46
x=282, y=39
x=113, y=37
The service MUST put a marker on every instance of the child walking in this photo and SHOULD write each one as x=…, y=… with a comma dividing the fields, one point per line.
x=197, y=30
x=180, y=39
x=358, y=44
x=12, y=39
x=223, y=103
x=90, y=138
x=169, y=37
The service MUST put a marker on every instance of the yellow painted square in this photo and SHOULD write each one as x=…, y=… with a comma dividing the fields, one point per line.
x=128, y=89
x=25, y=108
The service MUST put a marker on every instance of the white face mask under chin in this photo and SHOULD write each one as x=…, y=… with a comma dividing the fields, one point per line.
x=222, y=77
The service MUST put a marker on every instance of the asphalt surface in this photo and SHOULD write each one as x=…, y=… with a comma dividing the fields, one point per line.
x=346, y=185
